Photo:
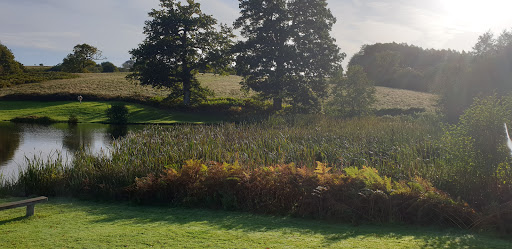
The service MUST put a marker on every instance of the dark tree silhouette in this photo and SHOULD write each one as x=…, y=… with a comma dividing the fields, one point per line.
x=180, y=40
x=83, y=56
x=288, y=52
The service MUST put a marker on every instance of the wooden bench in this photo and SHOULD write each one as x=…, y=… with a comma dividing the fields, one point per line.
x=30, y=203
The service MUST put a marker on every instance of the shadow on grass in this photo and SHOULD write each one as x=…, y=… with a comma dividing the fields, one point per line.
x=432, y=237
x=152, y=115
x=20, y=218
x=22, y=105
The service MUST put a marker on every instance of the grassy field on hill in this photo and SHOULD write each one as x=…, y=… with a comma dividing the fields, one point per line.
x=114, y=85
x=69, y=223
x=111, y=85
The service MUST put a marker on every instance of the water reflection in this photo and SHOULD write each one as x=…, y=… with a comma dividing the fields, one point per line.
x=76, y=138
x=9, y=141
x=21, y=141
x=117, y=131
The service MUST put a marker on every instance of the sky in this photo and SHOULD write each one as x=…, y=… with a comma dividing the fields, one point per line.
x=45, y=31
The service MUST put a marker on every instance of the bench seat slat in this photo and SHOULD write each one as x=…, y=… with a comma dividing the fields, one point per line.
x=23, y=203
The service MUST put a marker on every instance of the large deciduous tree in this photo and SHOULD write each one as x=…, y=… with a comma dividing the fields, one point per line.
x=288, y=52
x=8, y=65
x=180, y=40
x=83, y=56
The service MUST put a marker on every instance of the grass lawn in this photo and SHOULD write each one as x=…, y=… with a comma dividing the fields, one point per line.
x=94, y=112
x=70, y=223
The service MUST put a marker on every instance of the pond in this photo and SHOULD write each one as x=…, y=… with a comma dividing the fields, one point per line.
x=19, y=142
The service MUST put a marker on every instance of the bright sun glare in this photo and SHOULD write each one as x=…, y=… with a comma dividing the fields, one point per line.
x=476, y=15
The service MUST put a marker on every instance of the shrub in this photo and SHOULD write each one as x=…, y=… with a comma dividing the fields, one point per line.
x=33, y=120
x=476, y=150
x=360, y=195
x=108, y=67
x=117, y=114
x=73, y=119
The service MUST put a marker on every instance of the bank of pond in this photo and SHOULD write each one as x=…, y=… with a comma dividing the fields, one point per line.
x=371, y=169
x=20, y=142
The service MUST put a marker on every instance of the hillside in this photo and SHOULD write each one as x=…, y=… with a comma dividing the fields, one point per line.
x=112, y=85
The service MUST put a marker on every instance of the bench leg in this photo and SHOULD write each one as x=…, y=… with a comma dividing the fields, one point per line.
x=30, y=210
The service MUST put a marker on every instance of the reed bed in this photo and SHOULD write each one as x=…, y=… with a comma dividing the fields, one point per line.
x=405, y=150
x=397, y=147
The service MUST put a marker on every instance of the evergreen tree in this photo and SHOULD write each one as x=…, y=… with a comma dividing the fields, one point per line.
x=288, y=52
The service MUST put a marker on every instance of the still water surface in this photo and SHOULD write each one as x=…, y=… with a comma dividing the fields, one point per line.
x=19, y=142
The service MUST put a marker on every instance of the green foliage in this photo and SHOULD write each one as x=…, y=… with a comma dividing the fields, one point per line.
x=128, y=65
x=400, y=65
x=359, y=196
x=42, y=177
x=8, y=65
x=476, y=146
x=487, y=72
x=353, y=94
x=82, y=59
x=117, y=114
x=108, y=67
x=33, y=120
x=32, y=76
x=73, y=119
x=288, y=52
x=394, y=168
x=171, y=55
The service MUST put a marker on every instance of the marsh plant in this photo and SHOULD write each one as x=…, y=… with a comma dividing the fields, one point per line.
x=454, y=161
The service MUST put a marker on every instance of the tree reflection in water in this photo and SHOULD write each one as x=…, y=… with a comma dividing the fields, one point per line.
x=77, y=137
x=9, y=141
x=117, y=131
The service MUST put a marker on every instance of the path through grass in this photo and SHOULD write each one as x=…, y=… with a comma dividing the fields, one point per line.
x=69, y=223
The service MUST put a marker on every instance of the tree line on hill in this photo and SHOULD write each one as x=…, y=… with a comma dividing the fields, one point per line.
x=13, y=73
x=83, y=60
x=458, y=77
x=288, y=56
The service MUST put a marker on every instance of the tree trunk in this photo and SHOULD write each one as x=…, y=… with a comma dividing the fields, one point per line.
x=278, y=104
x=186, y=92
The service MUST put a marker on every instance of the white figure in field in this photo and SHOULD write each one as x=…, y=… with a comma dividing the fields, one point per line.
x=80, y=98
x=509, y=142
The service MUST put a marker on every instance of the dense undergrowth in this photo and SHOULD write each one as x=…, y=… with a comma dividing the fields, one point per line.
x=425, y=171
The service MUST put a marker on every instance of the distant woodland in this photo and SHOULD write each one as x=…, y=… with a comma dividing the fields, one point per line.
x=458, y=76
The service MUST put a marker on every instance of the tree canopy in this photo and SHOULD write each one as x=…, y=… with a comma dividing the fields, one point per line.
x=108, y=67
x=288, y=52
x=8, y=65
x=353, y=94
x=405, y=66
x=180, y=40
x=83, y=56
